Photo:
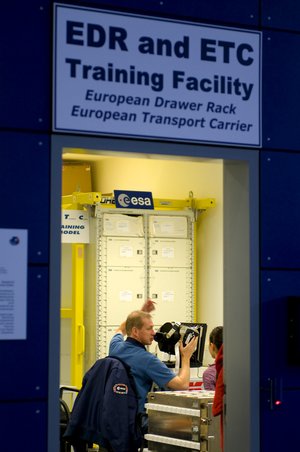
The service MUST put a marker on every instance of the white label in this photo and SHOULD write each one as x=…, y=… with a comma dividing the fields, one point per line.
x=75, y=226
x=168, y=253
x=13, y=283
x=168, y=296
x=125, y=295
x=126, y=251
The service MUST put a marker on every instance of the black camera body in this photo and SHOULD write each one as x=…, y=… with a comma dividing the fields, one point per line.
x=187, y=333
x=170, y=333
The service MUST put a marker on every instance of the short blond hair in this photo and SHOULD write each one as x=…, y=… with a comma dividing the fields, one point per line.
x=136, y=319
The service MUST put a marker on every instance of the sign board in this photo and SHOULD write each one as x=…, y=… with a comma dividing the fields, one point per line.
x=75, y=226
x=13, y=283
x=125, y=199
x=127, y=75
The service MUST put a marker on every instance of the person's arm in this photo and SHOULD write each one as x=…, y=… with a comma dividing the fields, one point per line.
x=148, y=306
x=121, y=329
x=182, y=380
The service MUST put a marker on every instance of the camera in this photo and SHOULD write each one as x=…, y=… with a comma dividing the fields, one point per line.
x=171, y=332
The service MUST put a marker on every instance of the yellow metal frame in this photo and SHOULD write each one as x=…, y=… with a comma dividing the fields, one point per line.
x=78, y=332
x=77, y=201
x=75, y=314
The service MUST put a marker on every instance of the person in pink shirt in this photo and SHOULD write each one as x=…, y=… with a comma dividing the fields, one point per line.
x=215, y=343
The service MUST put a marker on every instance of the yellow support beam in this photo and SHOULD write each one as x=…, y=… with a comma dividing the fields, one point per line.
x=173, y=204
x=77, y=200
x=78, y=332
x=203, y=204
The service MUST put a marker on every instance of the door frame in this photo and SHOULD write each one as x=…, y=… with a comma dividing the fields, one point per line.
x=241, y=274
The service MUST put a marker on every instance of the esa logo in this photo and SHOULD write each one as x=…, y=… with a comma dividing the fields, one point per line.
x=133, y=200
x=123, y=200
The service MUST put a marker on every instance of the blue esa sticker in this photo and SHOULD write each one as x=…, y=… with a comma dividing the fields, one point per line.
x=133, y=199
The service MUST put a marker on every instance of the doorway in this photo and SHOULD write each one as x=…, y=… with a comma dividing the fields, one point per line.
x=237, y=230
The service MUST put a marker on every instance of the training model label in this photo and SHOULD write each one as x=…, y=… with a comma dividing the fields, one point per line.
x=13, y=283
x=128, y=75
x=75, y=226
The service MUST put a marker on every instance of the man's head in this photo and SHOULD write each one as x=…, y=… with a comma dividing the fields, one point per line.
x=139, y=326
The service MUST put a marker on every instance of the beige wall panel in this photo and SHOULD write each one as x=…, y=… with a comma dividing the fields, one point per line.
x=122, y=225
x=124, y=251
x=125, y=292
x=170, y=252
x=168, y=226
x=171, y=289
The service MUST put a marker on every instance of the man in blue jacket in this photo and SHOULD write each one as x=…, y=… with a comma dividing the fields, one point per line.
x=145, y=367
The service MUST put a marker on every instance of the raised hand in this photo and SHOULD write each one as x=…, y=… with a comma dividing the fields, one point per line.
x=148, y=306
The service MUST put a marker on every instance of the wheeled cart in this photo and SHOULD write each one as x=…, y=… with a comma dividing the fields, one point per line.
x=182, y=421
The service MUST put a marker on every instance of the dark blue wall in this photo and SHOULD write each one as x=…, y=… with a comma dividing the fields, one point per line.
x=25, y=132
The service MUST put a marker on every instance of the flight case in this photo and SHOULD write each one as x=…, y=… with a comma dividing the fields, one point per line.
x=182, y=421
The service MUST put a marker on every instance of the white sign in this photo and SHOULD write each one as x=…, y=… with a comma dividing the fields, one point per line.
x=75, y=226
x=122, y=74
x=13, y=283
x=126, y=295
x=126, y=251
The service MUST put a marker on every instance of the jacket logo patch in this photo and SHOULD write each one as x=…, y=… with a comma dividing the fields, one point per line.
x=120, y=388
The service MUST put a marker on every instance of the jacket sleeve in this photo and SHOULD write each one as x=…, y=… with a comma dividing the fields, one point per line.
x=217, y=407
